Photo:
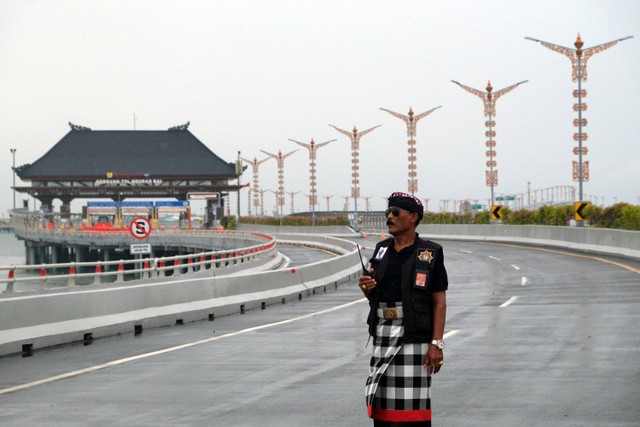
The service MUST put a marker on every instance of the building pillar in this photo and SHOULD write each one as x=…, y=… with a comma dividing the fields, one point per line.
x=46, y=204
x=107, y=255
x=82, y=254
x=41, y=255
x=30, y=254
x=65, y=209
x=57, y=254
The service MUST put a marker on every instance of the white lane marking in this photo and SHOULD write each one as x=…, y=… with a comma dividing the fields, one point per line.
x=287, y=261
x=493, y=257
x=515, y=266
x=451, y=333
x=466, y=252
x=508, y=302
x=171, y=349
x=524, y=281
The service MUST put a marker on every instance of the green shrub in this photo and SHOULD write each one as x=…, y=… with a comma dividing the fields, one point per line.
x=295, y=220
x=619, y=216
x=228, y=222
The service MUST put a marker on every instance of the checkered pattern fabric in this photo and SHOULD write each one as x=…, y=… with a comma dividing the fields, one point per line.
x=399, y=386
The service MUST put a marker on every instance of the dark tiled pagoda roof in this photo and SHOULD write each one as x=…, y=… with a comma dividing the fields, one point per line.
x=89, y=154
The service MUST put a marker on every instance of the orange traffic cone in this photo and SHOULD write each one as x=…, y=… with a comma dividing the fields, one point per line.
x=96, y=277
x=72, y=273
x=120, y=275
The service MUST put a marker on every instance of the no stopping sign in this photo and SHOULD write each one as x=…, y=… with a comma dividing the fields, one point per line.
x=140, y=228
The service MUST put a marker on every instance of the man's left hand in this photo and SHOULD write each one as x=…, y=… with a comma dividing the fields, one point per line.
x=434, y=359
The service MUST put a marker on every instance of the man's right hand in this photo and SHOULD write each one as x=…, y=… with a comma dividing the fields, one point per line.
x=367, y=283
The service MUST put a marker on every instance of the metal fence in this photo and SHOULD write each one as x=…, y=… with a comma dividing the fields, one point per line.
x=210, y=250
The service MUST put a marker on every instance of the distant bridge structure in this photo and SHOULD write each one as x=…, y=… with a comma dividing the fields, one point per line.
x=67, y=255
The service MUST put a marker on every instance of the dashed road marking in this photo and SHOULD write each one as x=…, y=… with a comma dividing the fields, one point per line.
x=553, y=251
x=508, y=302
x=171, y=349
x=515, y=266
x=523, y=281
x=451, y=333
x=496, y=258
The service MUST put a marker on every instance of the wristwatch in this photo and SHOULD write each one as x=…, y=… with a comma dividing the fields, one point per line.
x=438, y=343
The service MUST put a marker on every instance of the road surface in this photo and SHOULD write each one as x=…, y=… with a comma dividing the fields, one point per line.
x=535, y=337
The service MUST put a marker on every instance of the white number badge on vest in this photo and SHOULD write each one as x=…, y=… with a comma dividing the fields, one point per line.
x=380, y=253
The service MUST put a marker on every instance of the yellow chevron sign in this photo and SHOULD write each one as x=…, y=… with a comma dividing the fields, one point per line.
x=496, y=212
x=578, y=210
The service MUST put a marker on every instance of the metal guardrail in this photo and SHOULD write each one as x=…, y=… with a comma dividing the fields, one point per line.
x=54, y=317
x=104, y=271
x=200, y=238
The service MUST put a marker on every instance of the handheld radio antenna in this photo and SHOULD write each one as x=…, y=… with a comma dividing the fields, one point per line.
x=364, y=269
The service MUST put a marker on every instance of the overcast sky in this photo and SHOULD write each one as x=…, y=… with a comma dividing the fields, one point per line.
x=251, y=74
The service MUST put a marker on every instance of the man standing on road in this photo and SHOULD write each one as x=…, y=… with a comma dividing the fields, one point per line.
x=406, y=288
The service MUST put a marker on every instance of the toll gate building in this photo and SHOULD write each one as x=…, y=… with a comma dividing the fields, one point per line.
x=121, y=164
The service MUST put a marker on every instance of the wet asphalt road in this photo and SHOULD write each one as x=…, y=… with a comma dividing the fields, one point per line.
x=536, y=337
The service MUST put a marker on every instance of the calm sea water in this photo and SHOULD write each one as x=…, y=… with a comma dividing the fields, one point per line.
x=11, y=250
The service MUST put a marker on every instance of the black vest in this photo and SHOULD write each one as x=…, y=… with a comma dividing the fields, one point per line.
x=422, y=273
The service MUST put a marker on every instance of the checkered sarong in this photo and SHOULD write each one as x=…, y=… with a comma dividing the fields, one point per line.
x=399, y=386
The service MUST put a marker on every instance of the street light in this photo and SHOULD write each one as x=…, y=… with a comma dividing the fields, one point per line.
x=579, y=57
x=13, y=168
x=355, y=136
x=411, y=121
x=239, y=172
x=367, y=202
x=313, y=148
x=280, y=194
x=262, y=191
x=292, y=194
x=255, y=167
x=346, y=203
x=328, y=199
x=489, y=99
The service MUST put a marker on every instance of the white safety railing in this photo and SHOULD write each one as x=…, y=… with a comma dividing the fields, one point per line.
x=48, y=275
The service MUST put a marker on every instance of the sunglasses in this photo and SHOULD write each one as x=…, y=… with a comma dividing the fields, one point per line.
x=394, y=211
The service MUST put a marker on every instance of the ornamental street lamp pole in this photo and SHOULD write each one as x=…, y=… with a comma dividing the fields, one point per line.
x=346, y=203
x=13, y=168
x=280, y=194
x=355, y=136
x=579, y=58
x=239, y=172
x=328, y=199
x=367, y=202
x=262, y=191
x=292, y=194
x=411, y=121
x=489, y=99
x=255, y=167
x=312, y=147
x=426, y=205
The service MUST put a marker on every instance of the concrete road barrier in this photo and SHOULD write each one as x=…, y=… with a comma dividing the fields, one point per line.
x=602, y=241
x=67, y=315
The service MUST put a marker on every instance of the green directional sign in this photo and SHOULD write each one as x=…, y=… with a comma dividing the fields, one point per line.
x=476, y=207
x=500, y=198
